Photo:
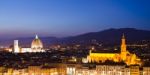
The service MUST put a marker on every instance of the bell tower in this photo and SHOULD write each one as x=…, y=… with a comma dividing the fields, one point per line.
x=123, y=48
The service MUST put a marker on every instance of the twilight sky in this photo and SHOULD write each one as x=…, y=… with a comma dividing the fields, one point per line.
x=19, y=18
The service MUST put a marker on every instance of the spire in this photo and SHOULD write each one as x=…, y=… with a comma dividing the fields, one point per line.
x=123, y=39
x=36, y=37
x=123, y=36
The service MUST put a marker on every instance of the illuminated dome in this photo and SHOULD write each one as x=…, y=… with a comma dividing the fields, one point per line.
x=37, y=44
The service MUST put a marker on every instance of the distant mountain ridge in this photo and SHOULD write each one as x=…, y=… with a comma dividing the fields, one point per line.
x=110, y=36
x=114, y=35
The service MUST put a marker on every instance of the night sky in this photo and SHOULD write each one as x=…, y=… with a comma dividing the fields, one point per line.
x=20, y=18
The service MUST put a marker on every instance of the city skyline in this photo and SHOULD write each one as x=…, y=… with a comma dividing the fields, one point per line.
x=74, y=37
x=68, y=18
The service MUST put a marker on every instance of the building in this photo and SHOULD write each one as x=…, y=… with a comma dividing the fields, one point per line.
x=134, y=70
x=16, y=46
x=126, y=71
x=85, y=71
x=124, y=55
x=110, y=69
x=36, y=46
x=77, y=69
x=146, y=70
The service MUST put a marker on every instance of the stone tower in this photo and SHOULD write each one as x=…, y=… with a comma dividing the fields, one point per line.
x=123, y=48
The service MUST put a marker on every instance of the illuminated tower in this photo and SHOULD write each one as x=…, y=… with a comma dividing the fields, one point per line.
x=16, y=47
x=123, y=48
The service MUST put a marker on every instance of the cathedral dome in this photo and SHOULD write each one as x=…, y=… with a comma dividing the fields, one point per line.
x=36, y=44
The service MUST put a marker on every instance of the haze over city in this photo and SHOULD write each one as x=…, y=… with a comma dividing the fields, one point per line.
x=61, y=18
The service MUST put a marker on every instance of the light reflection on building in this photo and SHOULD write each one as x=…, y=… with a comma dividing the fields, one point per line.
x=124, y=55
x=36, y=46
x=146, y=70
x=73, y=69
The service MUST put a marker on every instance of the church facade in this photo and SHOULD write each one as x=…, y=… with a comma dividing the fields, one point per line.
x=124, y=55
